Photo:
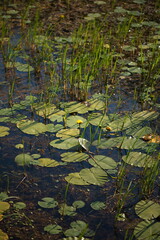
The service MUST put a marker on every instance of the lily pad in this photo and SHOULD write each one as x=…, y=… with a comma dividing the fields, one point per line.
x=138, y=159
x=148, y=230
x=147, y=209
x=102, y=162
x=67, y=210
x=74, y=157
x=72, y=121
x=19, y=205
x=77, y=228
x=75, y=178
x=98, y=119
x=78, y=204
x=48, y=202
x=23, y=67
x=65, y=144
x=47, y=162
x=23, y=159
x=72, y=107
x=4, y=131
x=31, y=127
x=67, y=133
x=4, y=206
x=98, y=205
x=3, y=236
x=53, y=228
x=94, y=176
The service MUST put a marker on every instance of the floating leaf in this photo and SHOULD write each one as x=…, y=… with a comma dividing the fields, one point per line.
x=47, y=162
x=148, y=230
x=57, y=116
x=19, y=146
x=94, y=176
x=4, y=206
x=98, y=205
x=31, y=127
x=138, y=159
x=45, y=110
x=98, y=119
x=92, y=16
x=72, y=121
x=66, y=133
x=74, y=157
x=7, y=112
x=4, y=131
x=75, y=178
x=23, y=159
x=19, y=205
x=53, y=228
x=100, y=2
x=67, y=210
x=48, y=202
x=64, y=144
x=72, y=107
x=103, y=162
x=78, y=204
x=84, y=143
x=96, y=104
x=120, y=10
x=78, y=228
x=138, y=131
x=3, y=236
x=147, y=209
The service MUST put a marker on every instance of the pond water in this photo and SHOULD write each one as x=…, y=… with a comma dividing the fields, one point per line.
x=79, y=135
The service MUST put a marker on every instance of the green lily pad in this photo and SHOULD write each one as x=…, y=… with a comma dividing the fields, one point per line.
x=57, y=116
x=98, y=119
x=19, y=205
x=45, y=110
x=92, y=16
x=48, y=202
x=4, y=206
x=139, y=131
x=94, y=176
x=31, y=127
x=47, y=162
x=53, y=228
x=23, y=159
x=98, y=205
x=3, y=236
x=96, y=104
x=77, y=228
x=147, y=209
x=78, y=204
x=67, y=133
x=7, y=112
x=72, y=122
x=74, y=157
x=102, y=162
x=65, y=144
x=4, y=131
x=75, y=178
x=72, y=107
x=148, y=230
x=138, y=159
x=67, y=210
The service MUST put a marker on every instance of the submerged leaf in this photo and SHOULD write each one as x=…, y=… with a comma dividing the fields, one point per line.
x=53, y=228
x=48, y=202
x=67, y=210
x=98, y=205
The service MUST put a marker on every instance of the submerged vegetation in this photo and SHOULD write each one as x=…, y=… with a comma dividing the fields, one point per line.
x=79, y=120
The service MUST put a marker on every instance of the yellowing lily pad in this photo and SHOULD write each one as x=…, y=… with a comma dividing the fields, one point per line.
x=23, y=159
x=64, y=144
x=4, y=206
x=47, y=162
x=45, y=110
x=66, y=133
x=72, y=121
x=74, y=157
x=103, y=162
x=3, y=236
x=4, y=131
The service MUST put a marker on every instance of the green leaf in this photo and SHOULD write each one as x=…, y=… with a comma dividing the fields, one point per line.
x=65, y=144
x=19, y=205
x=48, y=202
x=47, y=162
x=53, y=228
x=94, y=176
x=23, y=159
x=72, y=107
x=148, y=230
x=67, y=133
x=72, y=122
x=98, y=205
x=67, y=210
x=103, y=162
x=78, y=204
x=75, y=178
x=139, y=159
x=147, y=209
x=3, y=236
x=78, y=228
x=23, y=67
x=31, y=127
x=74, y=157
x=98, y=119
